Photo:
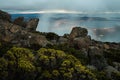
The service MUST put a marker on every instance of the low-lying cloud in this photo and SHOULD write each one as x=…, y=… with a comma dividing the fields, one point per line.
x=107, y=34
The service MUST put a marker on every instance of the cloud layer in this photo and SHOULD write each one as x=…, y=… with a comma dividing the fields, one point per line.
x=76, y=5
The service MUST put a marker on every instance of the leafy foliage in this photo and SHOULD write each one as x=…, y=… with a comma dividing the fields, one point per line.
x=60, y=66
x=70, y=50
x=3, y=69
x=59, y=63
x=20, y=62
x=4, y=47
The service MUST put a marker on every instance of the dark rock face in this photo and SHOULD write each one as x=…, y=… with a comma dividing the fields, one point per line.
x=32, y=24
x=78, y=32
x=20, y=21
x=5, y=16
x=79, y=38
x=19, y=34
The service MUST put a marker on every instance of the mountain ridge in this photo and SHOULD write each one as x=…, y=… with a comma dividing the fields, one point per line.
x=95, y=55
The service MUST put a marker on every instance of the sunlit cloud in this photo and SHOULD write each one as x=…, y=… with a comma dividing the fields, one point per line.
x=48, y=11
x=62, y=11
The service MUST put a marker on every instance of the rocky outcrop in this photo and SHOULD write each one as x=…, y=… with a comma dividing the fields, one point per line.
x=92, y=49
x=20, y=21
x=19, y=32
x=78, y=32
x=32, y=24
x=5, y=16
x=8, y=30
x=79, y=38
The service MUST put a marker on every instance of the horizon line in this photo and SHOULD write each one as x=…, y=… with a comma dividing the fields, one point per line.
x=62, y=12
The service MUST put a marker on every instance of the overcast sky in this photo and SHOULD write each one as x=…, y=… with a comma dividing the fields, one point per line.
x=74, y=5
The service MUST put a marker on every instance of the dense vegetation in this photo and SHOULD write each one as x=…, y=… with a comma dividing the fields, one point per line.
x=44, y=64
x=57, y=62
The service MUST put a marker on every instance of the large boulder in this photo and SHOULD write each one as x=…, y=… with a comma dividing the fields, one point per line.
x=79, y=38
x=78, y=32
x=32, y=24
x=5, y=16
x=20, y=21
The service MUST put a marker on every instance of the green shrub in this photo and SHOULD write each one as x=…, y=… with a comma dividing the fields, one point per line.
x=60, y=66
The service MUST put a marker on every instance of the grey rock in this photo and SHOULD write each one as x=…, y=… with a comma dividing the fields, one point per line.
x=32, y=24
x=18, y=34
x=78, y=32
x=20, y=21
